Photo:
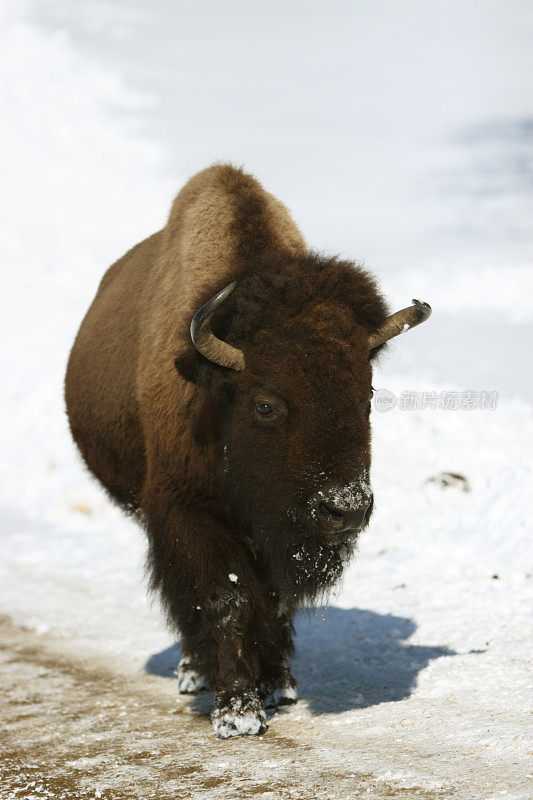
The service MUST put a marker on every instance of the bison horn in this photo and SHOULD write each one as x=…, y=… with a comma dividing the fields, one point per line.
x=399, y=322
x=206, y=342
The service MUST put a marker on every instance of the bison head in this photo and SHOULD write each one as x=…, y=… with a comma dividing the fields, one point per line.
x=293, y=397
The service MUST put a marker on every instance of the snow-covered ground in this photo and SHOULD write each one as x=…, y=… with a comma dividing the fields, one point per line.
x=399, y=133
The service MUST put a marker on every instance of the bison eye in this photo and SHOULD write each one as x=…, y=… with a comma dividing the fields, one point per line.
x=269, y=409
x=264, y=409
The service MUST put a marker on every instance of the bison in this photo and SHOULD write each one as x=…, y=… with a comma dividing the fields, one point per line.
x=237, y=434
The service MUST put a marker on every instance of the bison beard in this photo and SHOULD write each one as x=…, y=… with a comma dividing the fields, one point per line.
x=301, y=565
x=244, y=451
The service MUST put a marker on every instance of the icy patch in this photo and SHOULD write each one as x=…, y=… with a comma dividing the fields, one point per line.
x=409, y=780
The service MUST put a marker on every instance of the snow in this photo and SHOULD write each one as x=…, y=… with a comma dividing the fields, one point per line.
x=352, y=496
x=243, y=717
x=416, y=675
x=285, y=695
x=190, y=680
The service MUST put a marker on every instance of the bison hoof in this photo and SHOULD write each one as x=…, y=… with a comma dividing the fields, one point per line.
x=281, y=696
x=190, y=681
x=239, y=716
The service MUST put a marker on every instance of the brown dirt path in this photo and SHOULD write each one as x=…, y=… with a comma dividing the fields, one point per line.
x=74, y=729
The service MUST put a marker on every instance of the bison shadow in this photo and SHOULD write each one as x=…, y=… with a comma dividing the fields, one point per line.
x=345, y=659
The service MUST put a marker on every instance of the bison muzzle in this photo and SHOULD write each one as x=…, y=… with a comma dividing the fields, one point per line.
x=219, y=388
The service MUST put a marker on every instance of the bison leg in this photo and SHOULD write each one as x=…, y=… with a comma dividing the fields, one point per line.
x=282, y=690
x=277, y=685
x=190, y=677
x=210, y=591
x=238, y=708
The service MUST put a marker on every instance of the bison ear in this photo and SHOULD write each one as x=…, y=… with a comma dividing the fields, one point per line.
x=188, y=366
x=196, y=369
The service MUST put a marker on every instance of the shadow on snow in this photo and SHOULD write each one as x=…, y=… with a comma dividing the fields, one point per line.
x=345, y=659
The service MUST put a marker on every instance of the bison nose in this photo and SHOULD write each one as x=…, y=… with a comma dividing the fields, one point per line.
x=342, y=519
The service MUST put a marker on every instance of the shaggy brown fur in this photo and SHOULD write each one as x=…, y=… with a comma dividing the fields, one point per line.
x=233, y=503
